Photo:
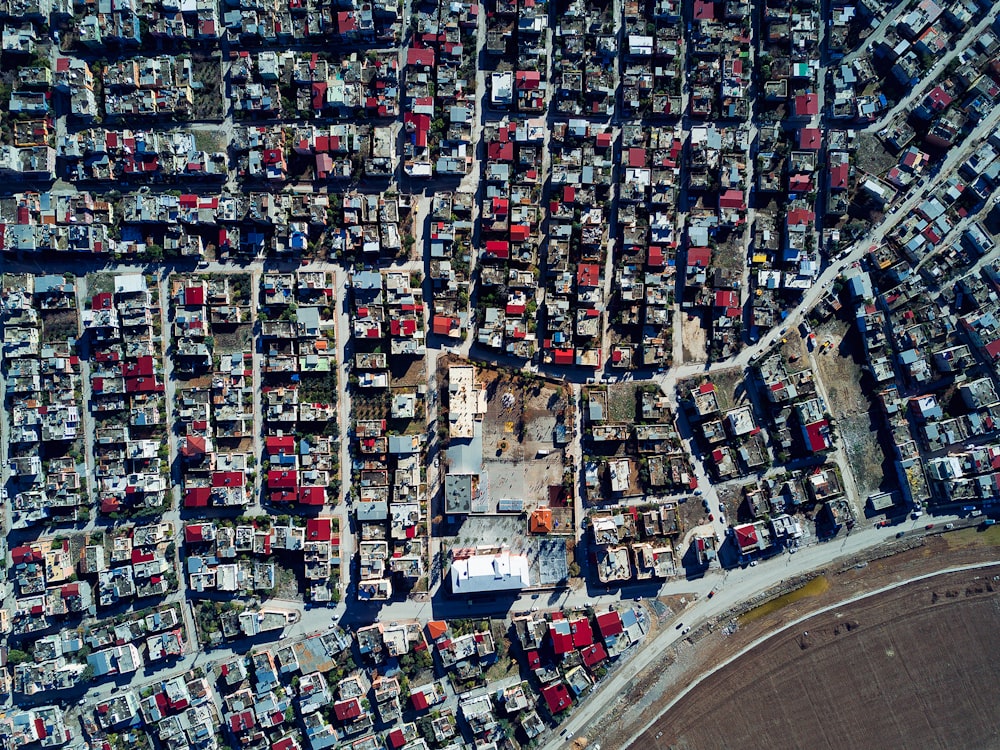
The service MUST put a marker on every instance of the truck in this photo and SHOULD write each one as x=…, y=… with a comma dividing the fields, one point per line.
x=976, y=513
x=989, y=522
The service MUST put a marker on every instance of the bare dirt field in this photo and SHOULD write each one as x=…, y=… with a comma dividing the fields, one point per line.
x=694, y=337
x=842, y=377
x=730, y=388
x=868, y=675
x=713, y=642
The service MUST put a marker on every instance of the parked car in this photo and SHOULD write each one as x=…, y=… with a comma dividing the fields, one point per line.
x=929, y=526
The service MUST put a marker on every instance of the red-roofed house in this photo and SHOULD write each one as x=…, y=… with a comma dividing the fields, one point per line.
x=312, y=495
x=593, y=655
x=805, y=106
x=726, y=298
x=699, y=257
x=817, y=436
x=347, y=710
x=319, y=529
x=733, y=199
x=838, y=176
x=197, y=497
x=746, y=537
x=562, y=637
x=610, y=624
x=278, y=479
x=498, y=249
x=557, y=697
x=582, y=634
x=588, y=275
x=810, y=139
x=423, y=58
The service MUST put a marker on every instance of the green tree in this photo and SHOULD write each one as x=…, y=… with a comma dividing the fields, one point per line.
x=16, y=656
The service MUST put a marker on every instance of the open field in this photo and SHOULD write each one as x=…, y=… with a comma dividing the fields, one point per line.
x=869, y=675
x=842, y=377
x=723, y=637
x=694, y=336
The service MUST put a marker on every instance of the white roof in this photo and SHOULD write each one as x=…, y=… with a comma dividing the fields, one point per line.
x=478, y=573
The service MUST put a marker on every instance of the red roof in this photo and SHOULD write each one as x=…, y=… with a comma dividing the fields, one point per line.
x=528, y=79
x=498, y=249
x=609, y=623
x=746, y=536
x=732, y=198
x=699, y=257
x=817, y=434
x=281, y=444
x=240, y=722
x=637, y=157
x=562, y=643
x=593, y=654
x=442, y=324
x=197, y=497
x=496, y=151
x=349, y=709
x=806, y=105
x=319, y=529
x=193, y=533
x=582, y=634
x=421, y=57
x=603, y=140
x=726, y=298
x=143, y=367
x=704, y=10
x=194, y=295
x=520, y=232
x=588, y=275
x=838, y=177
x=810, y=139
x=194, y=445
x=564, y=356
x=654, y=256
x=397, y=738
x=228, y=479
x=798, y=217
x=557, y=697
x=312, y=495
x=993, y=349
x=419, y=701
x=282, y=479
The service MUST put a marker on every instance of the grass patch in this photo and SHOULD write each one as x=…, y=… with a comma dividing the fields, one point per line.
x=815, y=587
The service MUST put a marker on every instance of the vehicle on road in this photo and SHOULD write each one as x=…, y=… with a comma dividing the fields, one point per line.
x=948, y=526
x=722, y=519
x=711, y=517
x=711, y=593
x=900, y=534
x=929, y=526
x=697, y=492
x=679, y=626
x=686, y=631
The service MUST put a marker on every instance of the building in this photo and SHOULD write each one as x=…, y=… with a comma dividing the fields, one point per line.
x=502, y=571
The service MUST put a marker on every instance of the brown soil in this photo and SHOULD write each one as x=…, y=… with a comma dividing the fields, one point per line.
x=869, y=675
x=718, y=640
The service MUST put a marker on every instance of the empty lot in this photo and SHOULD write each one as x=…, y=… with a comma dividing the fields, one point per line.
x=909, y=668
